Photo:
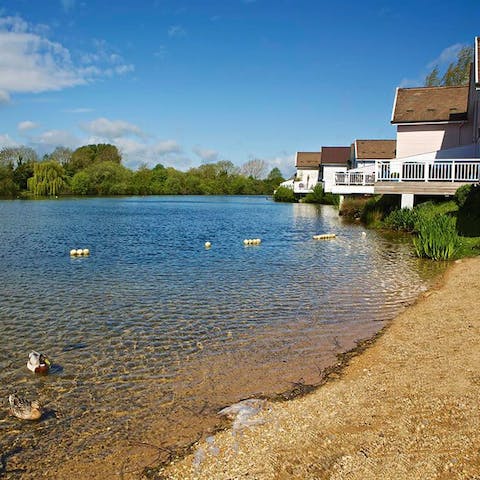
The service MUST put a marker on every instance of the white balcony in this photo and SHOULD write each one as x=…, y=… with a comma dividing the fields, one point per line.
x=408, y=176
x=461, y=170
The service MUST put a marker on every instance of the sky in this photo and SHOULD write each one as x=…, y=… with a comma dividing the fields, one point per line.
x=186, y=82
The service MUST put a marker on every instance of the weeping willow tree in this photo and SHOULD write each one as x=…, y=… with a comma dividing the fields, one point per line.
x=48, y=179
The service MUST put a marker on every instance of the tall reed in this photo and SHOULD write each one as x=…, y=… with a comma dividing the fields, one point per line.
x=437, y=237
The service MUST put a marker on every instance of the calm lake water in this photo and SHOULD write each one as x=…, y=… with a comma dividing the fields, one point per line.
x=152, y=334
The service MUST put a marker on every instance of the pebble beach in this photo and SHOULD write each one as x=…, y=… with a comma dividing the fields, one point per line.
x=406, y=407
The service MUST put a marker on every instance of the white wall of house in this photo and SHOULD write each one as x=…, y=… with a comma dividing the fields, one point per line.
x=418, y=139
x=329, y=172
x=308, y=177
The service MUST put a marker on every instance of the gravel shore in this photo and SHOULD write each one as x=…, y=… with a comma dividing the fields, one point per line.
x=408, y=407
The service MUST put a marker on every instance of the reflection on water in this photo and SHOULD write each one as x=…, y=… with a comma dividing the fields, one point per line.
x=152, y=333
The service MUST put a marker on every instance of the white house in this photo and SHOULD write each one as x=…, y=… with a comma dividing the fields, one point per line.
x=366, y=152
x=308, y=168
x=335, y=160
x=437, y=147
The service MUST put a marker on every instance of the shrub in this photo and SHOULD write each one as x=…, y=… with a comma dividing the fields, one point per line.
x=331, y=199
x=372, y=218
x=461, y=195
x=403, y=219
x=284, y=194
x=468, y=219
x=353, y=207
x=319, y=196
x=316, y=196
x=437, y=237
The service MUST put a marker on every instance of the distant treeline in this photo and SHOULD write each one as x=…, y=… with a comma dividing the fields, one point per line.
x=98, y=170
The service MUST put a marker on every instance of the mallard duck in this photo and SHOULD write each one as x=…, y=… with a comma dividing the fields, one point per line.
x=38, y=362
x=23, y=408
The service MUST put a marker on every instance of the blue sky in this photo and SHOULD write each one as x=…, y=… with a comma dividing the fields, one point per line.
x=183, y=82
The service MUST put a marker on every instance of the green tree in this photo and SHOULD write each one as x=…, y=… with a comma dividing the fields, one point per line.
x=433, y=79
x=109, y=178
x=8, y=188
x=48, y=179
x=457, y=73
x=85, y=156
x=82, y=184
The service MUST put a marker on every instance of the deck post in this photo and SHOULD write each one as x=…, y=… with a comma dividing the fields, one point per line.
x=407, y=200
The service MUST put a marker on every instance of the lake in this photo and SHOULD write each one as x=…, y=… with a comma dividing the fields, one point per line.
x=153, y=333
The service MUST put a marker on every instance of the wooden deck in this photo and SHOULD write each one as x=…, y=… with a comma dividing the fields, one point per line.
x=417, y=188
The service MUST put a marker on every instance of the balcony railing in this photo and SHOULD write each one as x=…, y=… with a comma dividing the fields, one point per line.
x=354, y=178
x=439, y=171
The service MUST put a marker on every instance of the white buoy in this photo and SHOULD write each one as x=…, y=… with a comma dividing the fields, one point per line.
x=245, y=242
x=364, y=234
x=208, y=244
x=324, y=236
x=86, y=251
x=79, y=251
x=73, y=252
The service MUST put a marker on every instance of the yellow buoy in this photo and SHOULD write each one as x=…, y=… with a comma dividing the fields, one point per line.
x=208, y=244
x=73, y=252
x=245, y=242
x=86, y=251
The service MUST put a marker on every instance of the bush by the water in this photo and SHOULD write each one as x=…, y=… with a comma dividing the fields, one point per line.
x=352, y=207
x=319, y=196
x=370, y=210
x=403, y=219
x=284, y=194
x=468, y=217
x=437, y=237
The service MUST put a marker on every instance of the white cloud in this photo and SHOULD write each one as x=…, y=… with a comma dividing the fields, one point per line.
x=111, y=129
x=166, y=146
x=27, y=125
x=31, y=63
x=207, y=155
x=176, y=31
x=135, y=153
x=447, y=56
x=7, y=141
x=55, y=138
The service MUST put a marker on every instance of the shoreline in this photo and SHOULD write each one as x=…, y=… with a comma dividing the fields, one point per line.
x=387, y=413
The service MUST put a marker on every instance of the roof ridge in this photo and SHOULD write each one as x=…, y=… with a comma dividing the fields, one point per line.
x=433, y=87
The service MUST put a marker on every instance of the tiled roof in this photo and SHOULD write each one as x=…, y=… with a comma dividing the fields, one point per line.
x=375, y=149
x=308, y=159
x=335, y=155
x=430, y=104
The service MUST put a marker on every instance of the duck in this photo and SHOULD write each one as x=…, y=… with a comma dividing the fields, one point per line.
x=38, y=362
x=23, y=408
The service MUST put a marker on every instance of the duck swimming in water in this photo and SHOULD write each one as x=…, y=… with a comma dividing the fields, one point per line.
x=23, y=408
x=38, y=362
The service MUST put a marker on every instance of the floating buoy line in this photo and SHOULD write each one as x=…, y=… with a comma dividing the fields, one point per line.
x=85, y=252
x=252, y=241
x=79, y=252
x=324, y=236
